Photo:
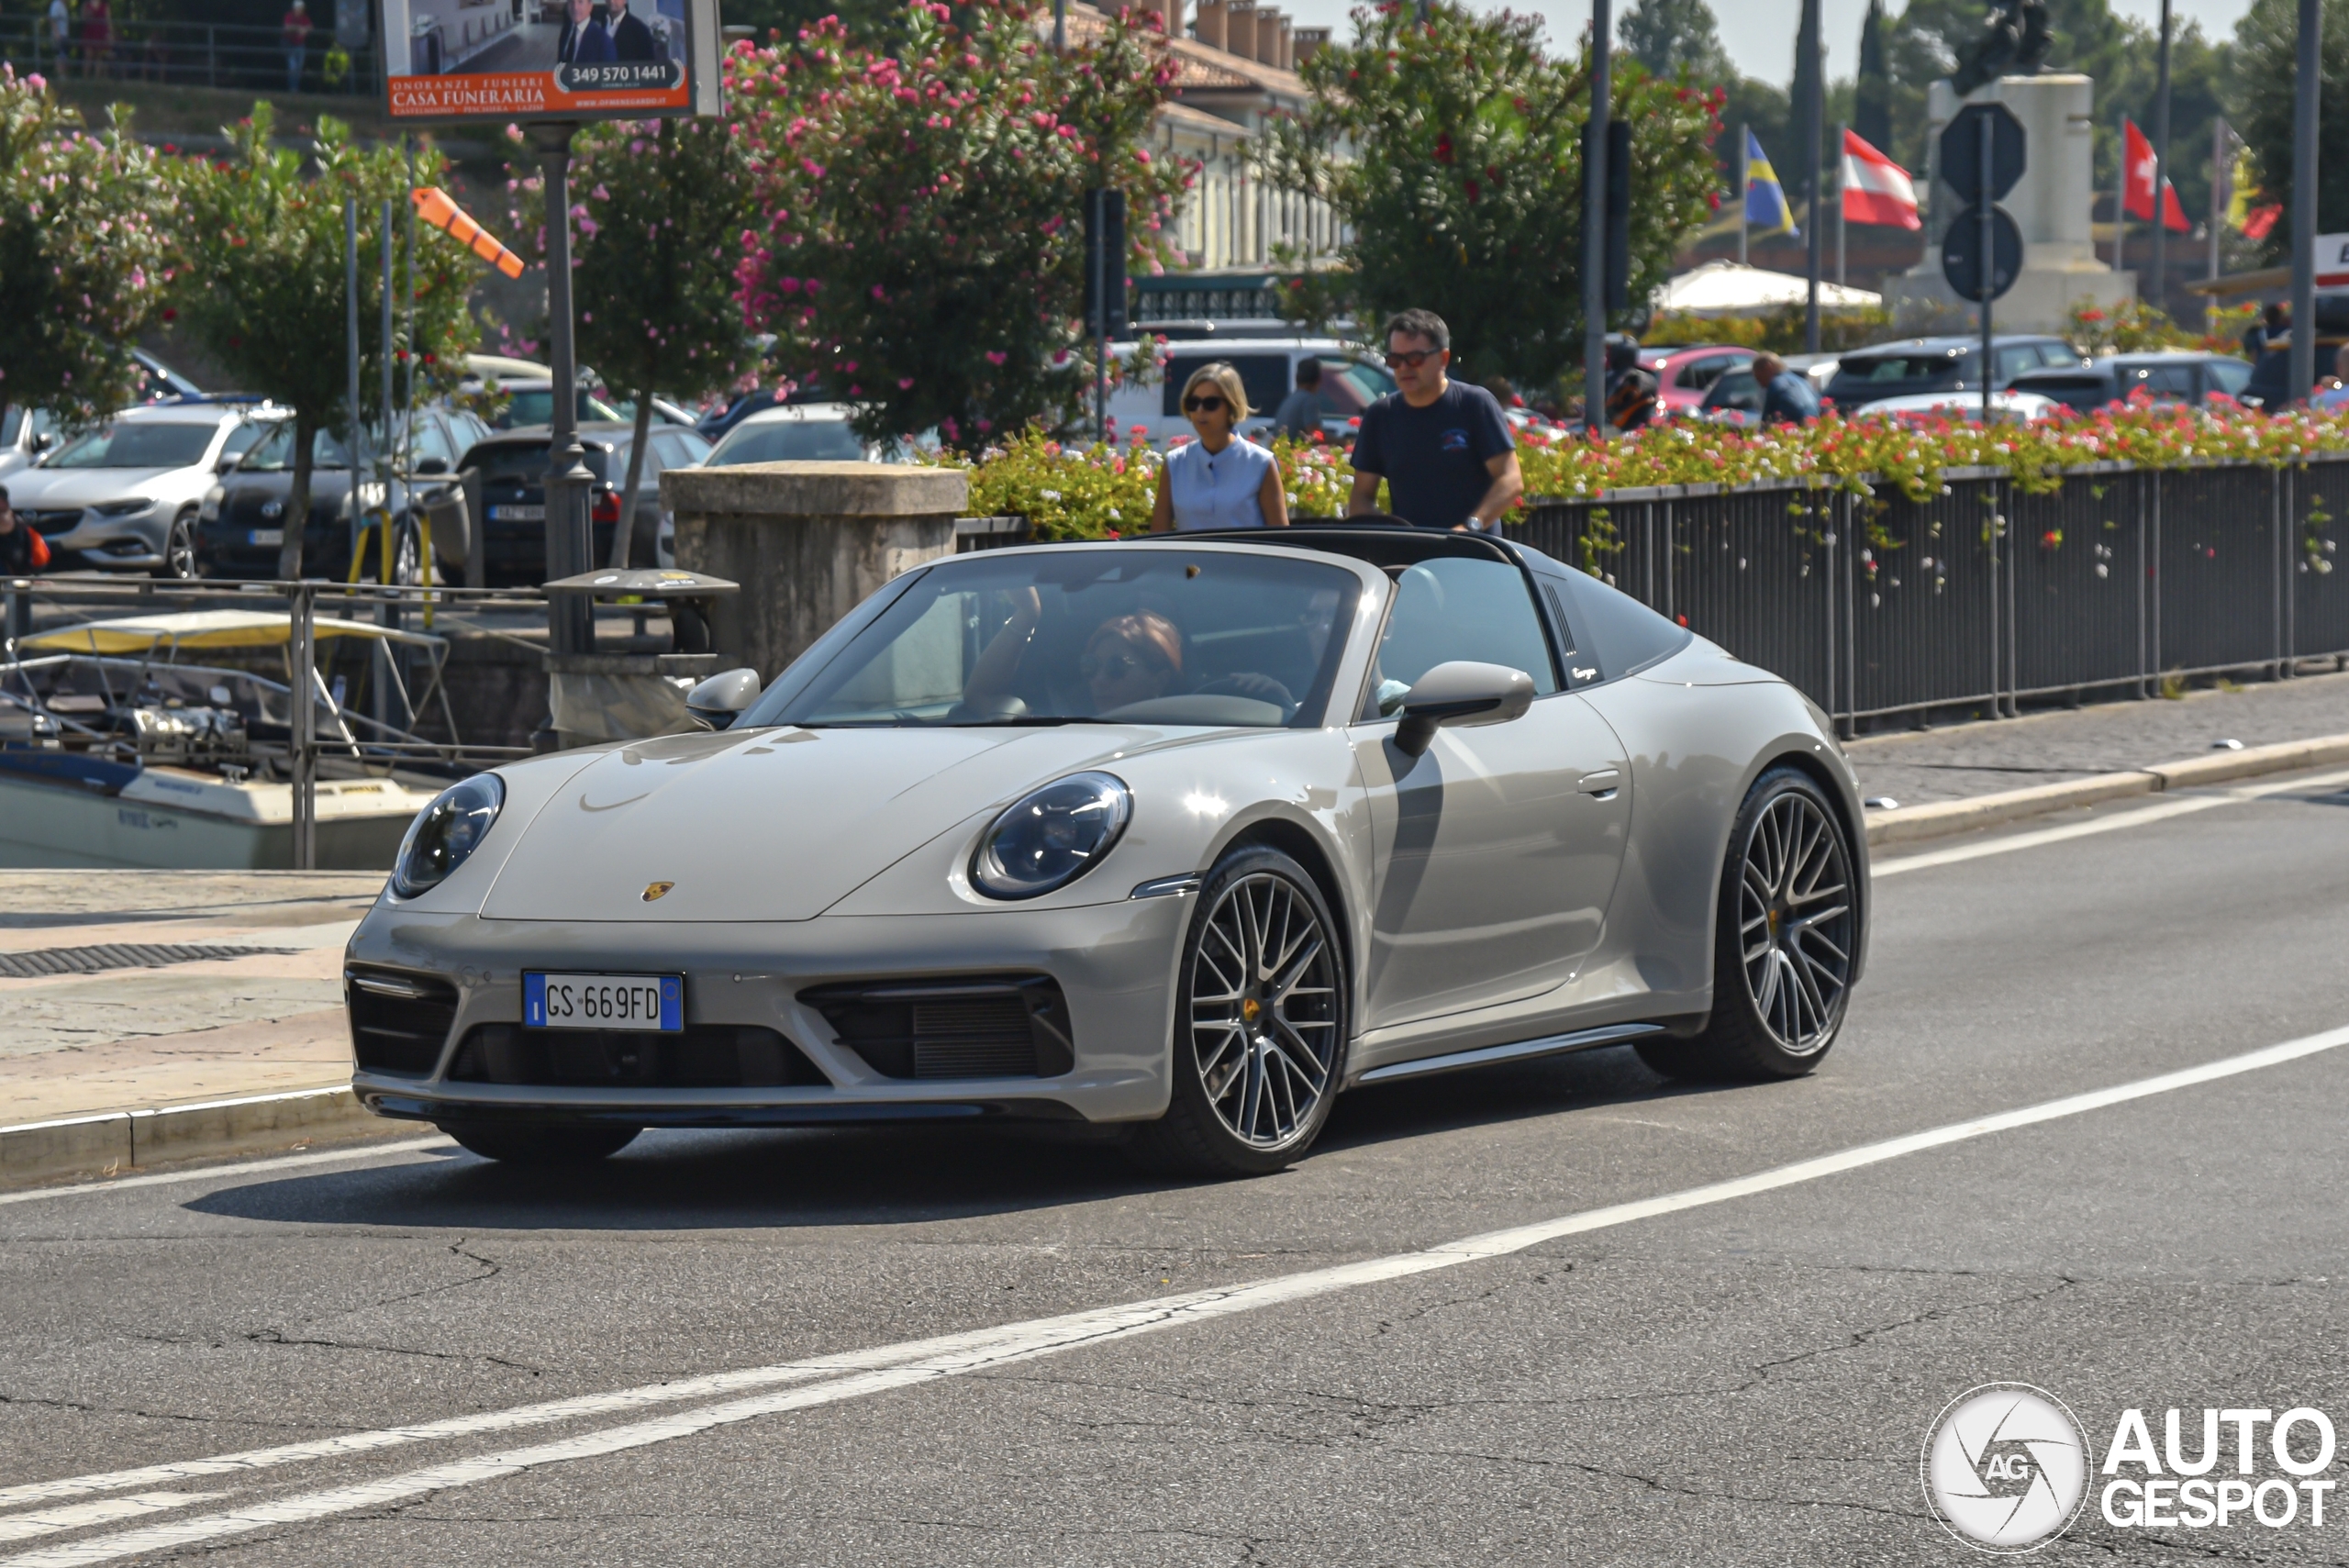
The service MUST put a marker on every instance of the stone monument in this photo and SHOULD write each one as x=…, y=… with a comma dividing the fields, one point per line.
x=2052, y=207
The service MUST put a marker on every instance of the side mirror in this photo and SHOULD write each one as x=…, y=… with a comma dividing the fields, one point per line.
x=723, y=698
x=1461, y=693
x=433, y=465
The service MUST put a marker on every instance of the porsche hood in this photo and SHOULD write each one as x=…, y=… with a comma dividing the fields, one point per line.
x=770, y=825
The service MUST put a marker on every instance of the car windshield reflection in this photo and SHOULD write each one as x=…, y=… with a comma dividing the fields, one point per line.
x=1154, y=636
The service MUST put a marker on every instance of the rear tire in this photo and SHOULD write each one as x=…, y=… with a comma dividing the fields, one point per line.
x=1787, y=927
x=1261, y=1024
x=525, y=1143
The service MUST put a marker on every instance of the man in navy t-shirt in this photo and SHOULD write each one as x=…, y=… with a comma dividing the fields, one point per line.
x=1444, y=448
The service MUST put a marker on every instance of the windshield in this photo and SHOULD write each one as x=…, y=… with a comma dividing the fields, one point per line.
x=273, y=453
x=156, y=445
x=800, y=441
x=535, y=405
x=1900, y=367
x=1117, y=635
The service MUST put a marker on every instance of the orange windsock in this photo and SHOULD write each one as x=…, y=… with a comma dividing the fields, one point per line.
x=433, y=205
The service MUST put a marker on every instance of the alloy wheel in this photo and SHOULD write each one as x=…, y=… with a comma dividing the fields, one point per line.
x=1265, y=1010
x=1795, y=923
x=179, y=551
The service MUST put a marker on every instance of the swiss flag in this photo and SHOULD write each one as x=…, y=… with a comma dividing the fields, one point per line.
x=1875, y=189
x=2137, y=187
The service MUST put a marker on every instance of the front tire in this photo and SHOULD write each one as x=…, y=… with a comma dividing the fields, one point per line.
x=541, y=1144
x=180, y=564
x=1260, y=1023
x=1783, y=947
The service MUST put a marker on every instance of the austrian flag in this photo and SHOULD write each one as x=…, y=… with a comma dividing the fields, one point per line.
x=1875, y=189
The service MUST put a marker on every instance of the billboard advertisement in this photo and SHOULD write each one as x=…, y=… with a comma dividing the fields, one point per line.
x=550, y=60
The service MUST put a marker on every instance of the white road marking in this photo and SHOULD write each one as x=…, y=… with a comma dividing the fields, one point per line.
x=905, y=1366
x=2178, y=806
x=242, y=1168
x=49, y=1521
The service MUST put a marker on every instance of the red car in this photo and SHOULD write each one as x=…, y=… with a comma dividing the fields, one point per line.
x=1685, y=375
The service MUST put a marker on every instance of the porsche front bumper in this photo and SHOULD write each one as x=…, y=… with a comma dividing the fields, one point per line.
x=1115, y=965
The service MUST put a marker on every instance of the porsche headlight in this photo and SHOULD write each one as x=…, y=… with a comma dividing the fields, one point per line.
x=445, y=832
x=1052, y=837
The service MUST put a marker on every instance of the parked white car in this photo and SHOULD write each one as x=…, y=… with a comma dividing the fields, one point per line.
x=27, y=433
x=1351, y=379
x=125, y=496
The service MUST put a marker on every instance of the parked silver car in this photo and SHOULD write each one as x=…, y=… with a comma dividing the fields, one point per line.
x=125, y=495
x=1180, y=837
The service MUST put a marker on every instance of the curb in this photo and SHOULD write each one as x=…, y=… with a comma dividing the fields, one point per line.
x=1903, y=824
x=115, y=1143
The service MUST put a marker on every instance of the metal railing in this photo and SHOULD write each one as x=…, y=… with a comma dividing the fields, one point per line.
x=404, y=721
x=190, y=54
x=1982, y=594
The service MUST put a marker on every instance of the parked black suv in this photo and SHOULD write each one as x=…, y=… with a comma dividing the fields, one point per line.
x=1918, y=365
x=513, y=466
x=2165, y=378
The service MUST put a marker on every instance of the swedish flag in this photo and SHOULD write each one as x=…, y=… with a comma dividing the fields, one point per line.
x=1765, y=199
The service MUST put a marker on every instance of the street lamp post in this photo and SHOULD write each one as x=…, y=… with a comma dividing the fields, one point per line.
x=1594, y=224
x=571, y=628
x=2304, y=106
x=1813, y=110
x=2161, y=165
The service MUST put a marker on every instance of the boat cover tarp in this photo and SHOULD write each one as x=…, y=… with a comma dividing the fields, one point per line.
x=207, y=628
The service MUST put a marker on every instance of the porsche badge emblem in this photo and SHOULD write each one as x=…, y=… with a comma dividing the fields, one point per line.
x=653, y=890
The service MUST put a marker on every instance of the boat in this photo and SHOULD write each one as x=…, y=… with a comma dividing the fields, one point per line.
x=115, y=753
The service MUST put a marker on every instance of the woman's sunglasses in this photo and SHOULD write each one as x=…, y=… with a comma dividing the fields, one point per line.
x=1115, y=667
x=1202, y=405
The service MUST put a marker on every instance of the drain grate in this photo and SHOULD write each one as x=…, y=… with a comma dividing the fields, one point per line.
x=42, y=961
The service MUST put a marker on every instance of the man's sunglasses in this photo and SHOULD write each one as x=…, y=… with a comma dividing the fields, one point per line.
x=1202, y=405
x=1412, y=359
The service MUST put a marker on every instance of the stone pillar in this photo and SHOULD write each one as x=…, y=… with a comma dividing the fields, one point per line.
x=2051, y=205
x=808, y=541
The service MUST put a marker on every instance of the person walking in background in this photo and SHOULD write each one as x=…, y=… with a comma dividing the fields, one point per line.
x=61, y=34
x=2269, y=327
x=97, y=37
x=1787, y=398
x=1299, y=414
x=296, y=31
x=22, y=552
x=1444, y=448
x=1631, y=385
x=1217, y=481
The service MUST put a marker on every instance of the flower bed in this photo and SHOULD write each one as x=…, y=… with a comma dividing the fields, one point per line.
x=1098, y=492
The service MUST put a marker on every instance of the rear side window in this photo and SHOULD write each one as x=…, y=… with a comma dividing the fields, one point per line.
x=2229, y=376
x=1621, y=635
x=1701, y=373
x=1737, y=390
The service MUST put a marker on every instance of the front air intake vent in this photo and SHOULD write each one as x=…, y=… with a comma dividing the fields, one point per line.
x=702, y=1056
x=982, y=1027
x=398, y=1021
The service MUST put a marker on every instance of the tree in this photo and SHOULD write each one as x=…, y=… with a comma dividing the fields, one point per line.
x=85, y=228
x=1667, y=36
x=919, y=246
x=263, y=289
x=1451, y=148
x=1872, y=93
x=657, y=214
x=2266, y=47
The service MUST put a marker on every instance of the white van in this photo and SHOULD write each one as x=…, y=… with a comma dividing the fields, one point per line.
x=1352, y=377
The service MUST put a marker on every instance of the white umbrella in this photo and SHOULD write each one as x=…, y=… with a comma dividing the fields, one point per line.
x=1725, y=288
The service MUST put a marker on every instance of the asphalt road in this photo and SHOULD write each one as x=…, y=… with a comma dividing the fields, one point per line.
x=1744, y=1376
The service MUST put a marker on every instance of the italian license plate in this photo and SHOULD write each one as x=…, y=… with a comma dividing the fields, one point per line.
x=265, y=536
x=603, y=1001
x=519, y=513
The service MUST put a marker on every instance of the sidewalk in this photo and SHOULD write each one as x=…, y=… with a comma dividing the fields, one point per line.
x=1917, y=768
x=120, y=1055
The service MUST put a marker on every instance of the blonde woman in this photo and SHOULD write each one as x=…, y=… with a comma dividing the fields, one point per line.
x=1217, y=481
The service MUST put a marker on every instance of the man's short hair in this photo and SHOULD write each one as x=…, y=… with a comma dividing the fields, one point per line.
x=3, y=497
x=1776, y=367
x=1420, y=323
x=1309, y=371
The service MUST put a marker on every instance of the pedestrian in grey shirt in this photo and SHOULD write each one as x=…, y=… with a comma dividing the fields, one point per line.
x=1299, y=414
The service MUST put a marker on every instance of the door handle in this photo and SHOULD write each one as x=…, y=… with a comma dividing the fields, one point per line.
x=1602, y=783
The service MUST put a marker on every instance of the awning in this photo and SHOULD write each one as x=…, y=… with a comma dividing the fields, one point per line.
x=207, y=629
x=1725, y=288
